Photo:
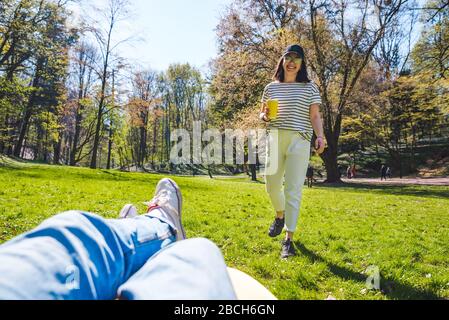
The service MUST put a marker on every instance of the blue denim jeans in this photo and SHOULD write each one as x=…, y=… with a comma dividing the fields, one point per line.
x=79, y=255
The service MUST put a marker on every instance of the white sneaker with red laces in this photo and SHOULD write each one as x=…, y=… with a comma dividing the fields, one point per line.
x=166, y=205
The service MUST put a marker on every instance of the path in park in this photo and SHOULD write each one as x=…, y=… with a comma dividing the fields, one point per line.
x=441, y=181
x=444, y=181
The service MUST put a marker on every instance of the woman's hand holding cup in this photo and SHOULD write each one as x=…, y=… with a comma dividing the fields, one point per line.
x=264, y=114
x=267, y=113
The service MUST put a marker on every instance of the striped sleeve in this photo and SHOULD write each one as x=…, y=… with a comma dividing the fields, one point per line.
x=315, y=94
x=266, y=94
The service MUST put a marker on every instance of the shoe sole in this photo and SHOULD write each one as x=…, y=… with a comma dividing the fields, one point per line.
x=274, y=235
x=288, y=255
x=179, y=196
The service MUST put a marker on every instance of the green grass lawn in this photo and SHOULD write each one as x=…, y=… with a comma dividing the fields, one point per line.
x=404, y=231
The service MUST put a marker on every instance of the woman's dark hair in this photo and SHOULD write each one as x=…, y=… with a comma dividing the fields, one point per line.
x=302, y=75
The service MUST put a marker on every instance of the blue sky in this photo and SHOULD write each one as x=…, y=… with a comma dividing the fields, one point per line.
x=173, y=31
x=170, y=31
x=179, y=30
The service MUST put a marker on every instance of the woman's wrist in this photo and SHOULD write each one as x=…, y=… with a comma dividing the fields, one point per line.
x=263, y=117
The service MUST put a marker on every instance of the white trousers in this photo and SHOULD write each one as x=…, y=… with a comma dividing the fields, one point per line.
x=290, y=159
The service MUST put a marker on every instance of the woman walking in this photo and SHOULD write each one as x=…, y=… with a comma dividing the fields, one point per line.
x=297, y=101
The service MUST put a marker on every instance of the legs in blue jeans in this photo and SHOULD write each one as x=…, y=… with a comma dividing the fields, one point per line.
x=78, y=255
x=191, y=269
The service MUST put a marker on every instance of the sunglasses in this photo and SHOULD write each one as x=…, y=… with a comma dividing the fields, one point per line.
x=296, y=60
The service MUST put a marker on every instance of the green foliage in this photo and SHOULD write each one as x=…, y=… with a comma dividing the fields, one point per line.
x=41, y=98
x=414, y=106
x=252, y=36
x=185, y=90
x=34, y=43
x=431, y=54
x=13, y=95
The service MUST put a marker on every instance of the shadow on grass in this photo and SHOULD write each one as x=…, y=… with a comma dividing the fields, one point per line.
x=257, y=181
x=413, y=190
x=391, y=288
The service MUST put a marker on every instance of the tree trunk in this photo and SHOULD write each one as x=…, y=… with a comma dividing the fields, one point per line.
x=28, y=110
x=57, y=150
x=78, y=119
x=412, y=151
x=330, y=154
x=68, y=150
x=167, y=137
x=100, y=153
x=209, y=171
x=24, y=126
x=330, y=163
x=7, y=135
x=104, y=79
x=108, y=165
x=4, y=135
x=93, y=162
x=153, y=150
x=24, y=146
x=143, y=145
x=40, y=148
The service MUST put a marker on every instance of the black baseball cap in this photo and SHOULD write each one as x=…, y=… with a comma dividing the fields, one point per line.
x=294, y=48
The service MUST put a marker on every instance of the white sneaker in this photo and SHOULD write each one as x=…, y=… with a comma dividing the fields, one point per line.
x=168, y=199
x=128, y=211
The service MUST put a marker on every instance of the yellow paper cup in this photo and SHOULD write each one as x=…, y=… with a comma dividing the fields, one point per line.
x=273, y=106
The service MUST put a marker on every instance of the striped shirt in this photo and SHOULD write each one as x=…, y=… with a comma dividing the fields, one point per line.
x=294, y=104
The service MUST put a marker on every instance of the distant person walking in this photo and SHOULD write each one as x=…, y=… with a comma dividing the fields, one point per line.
x=353, y=171
x=309, y=176
x=388, y=173
x=349, y=172
x=383, y=173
